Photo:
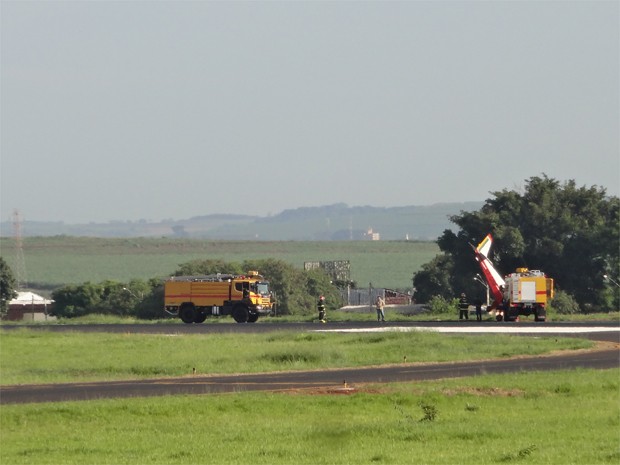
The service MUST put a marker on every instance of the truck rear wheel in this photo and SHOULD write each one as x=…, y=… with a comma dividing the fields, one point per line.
x=240, y=313
x=540, y=314
x=187, y=312
x=201, y=316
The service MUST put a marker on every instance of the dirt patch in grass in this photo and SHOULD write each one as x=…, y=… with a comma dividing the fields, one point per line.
x=358, y=389
x=336, y=390
x=484, y=392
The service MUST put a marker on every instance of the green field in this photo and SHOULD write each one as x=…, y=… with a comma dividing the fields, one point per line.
x=568, y=417
x=56, y=261
x=32, y=356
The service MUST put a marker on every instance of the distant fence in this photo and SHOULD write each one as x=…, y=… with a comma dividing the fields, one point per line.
x=339, y=270
x=396, y=298
x=369, y=296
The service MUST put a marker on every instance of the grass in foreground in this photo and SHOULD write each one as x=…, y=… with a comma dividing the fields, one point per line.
x=32, y=356
x=568, y=417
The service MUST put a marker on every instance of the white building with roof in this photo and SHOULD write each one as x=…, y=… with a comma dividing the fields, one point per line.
x=29, y=306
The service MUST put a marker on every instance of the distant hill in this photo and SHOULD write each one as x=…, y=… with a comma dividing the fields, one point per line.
x=325, y=223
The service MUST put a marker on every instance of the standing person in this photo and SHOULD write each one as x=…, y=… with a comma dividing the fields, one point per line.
x=379, y=304
x=463, y=307
x=321, y=308
x=478, y=304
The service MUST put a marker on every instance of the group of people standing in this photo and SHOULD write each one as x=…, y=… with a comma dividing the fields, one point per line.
x=380, y=303
x=464, y=308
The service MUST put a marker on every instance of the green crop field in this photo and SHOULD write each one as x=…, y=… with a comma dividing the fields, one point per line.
x=56, y=261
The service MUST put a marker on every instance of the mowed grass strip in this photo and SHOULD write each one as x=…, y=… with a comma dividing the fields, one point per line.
x=568, y=417
x=33, y=356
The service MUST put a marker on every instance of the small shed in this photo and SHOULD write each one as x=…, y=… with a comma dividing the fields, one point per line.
x=29, y=306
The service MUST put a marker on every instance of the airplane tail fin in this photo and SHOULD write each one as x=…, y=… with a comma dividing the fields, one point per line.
x=484, y=247
x=494, y=279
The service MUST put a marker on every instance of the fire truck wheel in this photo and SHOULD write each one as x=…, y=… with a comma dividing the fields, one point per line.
x=252, y=317
x=187, y=313
x=240, y=314
x=200, y=317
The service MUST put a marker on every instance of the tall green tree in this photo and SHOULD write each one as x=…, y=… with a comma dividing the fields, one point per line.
x=8, y=283
x=571, y=233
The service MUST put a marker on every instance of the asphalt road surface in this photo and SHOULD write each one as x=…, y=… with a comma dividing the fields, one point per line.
x=335, y=380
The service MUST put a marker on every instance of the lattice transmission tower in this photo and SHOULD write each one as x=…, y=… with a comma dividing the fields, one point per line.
x=20, y=262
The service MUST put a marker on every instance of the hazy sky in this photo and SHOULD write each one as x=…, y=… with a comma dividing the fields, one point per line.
x=128, y=110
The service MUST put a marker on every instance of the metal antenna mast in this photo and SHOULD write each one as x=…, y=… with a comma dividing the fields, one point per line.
x=20, y=263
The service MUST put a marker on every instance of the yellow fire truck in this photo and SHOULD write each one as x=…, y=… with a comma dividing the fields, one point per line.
x=527, y=292
x=193, y=298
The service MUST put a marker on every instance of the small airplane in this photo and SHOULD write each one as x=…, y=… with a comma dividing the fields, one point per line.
x=495, y=280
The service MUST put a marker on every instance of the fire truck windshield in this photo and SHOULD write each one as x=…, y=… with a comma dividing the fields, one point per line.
x=261, y=288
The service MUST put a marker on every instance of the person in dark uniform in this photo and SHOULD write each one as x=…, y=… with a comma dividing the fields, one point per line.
x=321, y=308
x=478, y=304
x=463, y=307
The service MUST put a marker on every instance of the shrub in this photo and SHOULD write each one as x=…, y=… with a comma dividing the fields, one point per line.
x=564, y=303
x=440, y=305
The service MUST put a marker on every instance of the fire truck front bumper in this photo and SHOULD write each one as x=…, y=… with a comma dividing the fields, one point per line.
x=262, y=309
